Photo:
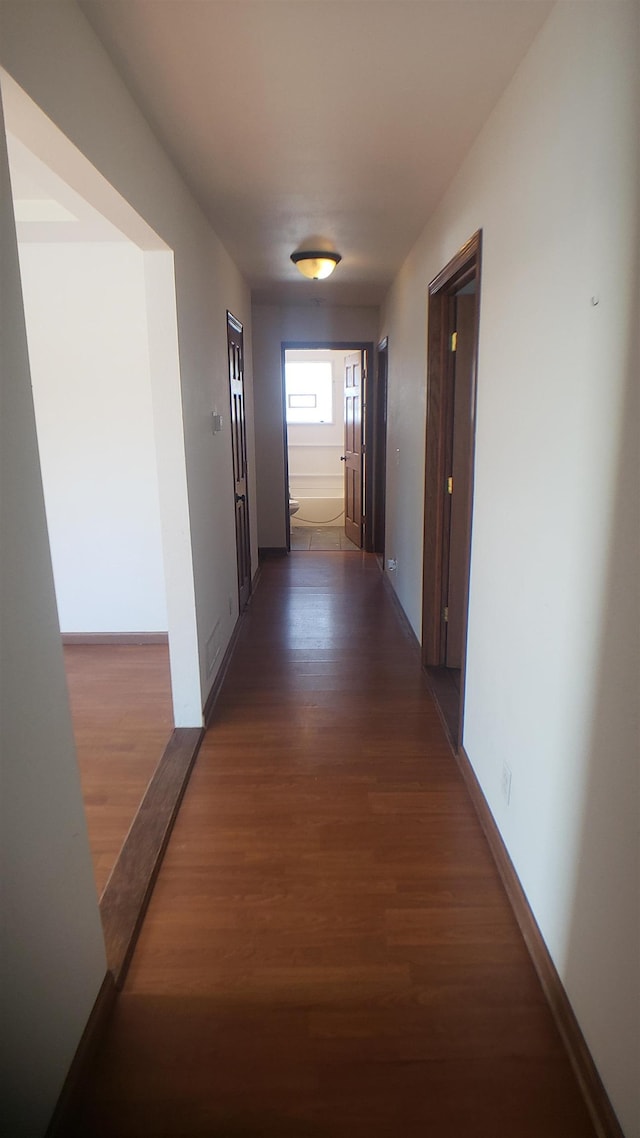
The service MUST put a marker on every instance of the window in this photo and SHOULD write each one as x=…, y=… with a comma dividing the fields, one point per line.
x=309, y=394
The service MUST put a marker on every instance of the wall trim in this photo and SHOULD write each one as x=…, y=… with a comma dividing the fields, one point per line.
x=593, y=1091
x=216, y=687
x=128, y=890
x=115, y=638
x=85, y=1051
x=266, y=551
x=597, y=1101
x=407, y=627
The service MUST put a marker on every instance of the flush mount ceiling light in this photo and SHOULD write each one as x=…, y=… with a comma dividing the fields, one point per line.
x=315, y=264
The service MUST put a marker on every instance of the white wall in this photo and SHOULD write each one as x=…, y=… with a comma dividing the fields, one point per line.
x=316, y=474
x=52, y=955
x=552, y=677
x=50, y=50
x=54, y=958
x=85, y=308
x=273, y=326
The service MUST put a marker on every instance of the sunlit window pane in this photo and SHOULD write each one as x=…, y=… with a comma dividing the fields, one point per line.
x=309, y=391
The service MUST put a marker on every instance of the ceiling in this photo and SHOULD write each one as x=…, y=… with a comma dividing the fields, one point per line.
x=338, y=119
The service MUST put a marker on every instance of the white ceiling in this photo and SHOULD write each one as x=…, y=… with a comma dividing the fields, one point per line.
x=344, y=119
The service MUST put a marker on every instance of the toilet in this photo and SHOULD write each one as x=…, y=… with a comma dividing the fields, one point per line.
x=294, y=506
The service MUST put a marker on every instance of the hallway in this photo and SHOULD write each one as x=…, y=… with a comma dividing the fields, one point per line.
x=329, y=951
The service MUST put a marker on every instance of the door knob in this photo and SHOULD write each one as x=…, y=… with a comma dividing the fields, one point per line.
x=343, y=458
x=240, y=498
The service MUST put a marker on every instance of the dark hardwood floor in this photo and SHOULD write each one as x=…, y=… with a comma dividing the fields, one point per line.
x=329, y=952
x=120, y=696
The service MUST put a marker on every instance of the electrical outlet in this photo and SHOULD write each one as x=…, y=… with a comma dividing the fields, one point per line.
x=505, y=783
x=392, y=564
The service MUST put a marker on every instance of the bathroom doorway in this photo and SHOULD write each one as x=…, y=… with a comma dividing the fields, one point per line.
x=314, y=390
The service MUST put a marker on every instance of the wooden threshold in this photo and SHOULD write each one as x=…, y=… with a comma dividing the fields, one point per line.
x=128, y=890
x=593, y=1091
x=267, y=551
x=85, y=1051
x=111, y=638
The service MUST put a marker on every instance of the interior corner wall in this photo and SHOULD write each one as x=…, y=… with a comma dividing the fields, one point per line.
x=85, y=310
x=53, y=959
x=50, y=50
x=552, y=666
x=274, y=325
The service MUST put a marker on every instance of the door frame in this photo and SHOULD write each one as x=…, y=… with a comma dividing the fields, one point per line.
x=243, y=529
x=379, y=435
x=335, y=346
x=464, y=266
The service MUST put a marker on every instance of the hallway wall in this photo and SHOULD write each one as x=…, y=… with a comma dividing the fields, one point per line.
x=52, y=53
x=552, y=675
x=52, y=960
x=273, y=325
x=57, y=59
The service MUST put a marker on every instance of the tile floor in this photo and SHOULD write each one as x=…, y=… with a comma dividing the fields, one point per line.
x=320, y=538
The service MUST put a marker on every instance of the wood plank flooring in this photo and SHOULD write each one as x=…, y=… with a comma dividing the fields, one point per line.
x=329, y=951
x=122, y=715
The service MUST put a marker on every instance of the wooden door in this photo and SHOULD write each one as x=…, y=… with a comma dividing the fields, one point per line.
x=354, y=374
x=235, y=341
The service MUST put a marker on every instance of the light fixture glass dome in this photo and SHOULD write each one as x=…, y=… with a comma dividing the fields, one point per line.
x=316, y=265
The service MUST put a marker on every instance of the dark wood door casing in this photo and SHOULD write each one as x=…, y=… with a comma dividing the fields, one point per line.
x=379, y=443
x=365, y=349
x=354, y=373
x=464, y=324
x=462, y=269
x=235, y=342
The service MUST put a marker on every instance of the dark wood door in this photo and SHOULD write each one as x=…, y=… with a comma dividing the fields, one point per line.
x=235, y=340
x=354, y=369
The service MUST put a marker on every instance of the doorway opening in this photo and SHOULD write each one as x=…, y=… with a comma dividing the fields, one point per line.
x=454, y=299
x=325, y=454
x=100, y=314
x=314, y=410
